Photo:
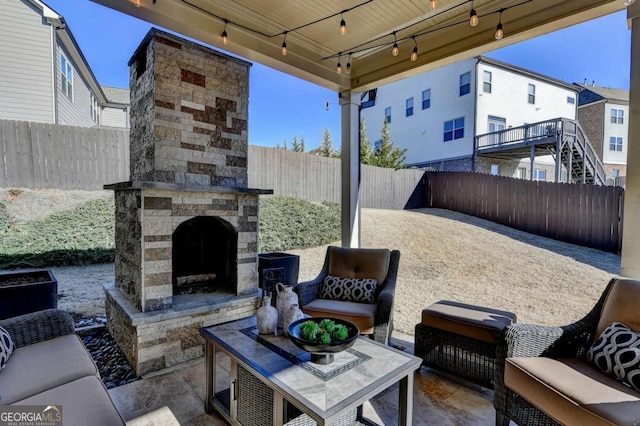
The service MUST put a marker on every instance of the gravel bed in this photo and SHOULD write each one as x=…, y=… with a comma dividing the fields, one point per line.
x=113, y=366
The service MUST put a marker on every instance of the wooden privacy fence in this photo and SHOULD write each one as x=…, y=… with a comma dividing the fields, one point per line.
x=587, y=215
x=40, y=155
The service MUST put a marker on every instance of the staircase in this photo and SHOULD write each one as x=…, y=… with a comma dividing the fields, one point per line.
x=563, y=138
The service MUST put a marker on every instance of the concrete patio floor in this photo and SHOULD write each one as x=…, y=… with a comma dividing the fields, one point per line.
x=176, y=396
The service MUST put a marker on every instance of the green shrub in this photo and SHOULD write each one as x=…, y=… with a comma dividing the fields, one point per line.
x=4, y=219
x=82, y=235
x=85, y=234
x=290, y=223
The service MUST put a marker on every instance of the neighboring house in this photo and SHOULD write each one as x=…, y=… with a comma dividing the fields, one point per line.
x=436, y=115
x=604, y=115
x=45, y=77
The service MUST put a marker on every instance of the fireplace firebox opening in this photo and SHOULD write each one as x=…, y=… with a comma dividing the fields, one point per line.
x=205, y=256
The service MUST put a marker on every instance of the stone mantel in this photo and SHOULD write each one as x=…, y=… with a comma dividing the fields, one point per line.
x=187, y=188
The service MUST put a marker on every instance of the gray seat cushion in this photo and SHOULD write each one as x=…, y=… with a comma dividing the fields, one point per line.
x=84, y=402
x=33, y=369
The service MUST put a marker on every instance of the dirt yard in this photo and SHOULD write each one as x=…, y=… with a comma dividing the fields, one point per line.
x=444, y=255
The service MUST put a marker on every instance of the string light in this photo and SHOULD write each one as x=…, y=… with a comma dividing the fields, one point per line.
x=225, y=37
x=414, y=53
x=433, y=4
x=395, y=49
x=473, y=16
x=136, y=3
x=339, y=66
x=343, y=25
x=284, y=50
x=349, y=64
x=629, y=2
x=499, y=32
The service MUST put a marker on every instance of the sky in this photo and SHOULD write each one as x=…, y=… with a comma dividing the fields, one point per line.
x=282, y=106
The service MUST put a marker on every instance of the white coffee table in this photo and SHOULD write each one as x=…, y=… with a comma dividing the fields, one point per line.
x=271, y=381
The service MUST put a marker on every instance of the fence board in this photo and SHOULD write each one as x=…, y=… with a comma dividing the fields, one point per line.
x=587, y=215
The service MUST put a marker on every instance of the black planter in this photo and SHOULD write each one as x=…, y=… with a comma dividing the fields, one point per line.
x=275, y=268
x=26, y=292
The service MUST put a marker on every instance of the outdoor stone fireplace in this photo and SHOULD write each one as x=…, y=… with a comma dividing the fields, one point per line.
x=186, y=223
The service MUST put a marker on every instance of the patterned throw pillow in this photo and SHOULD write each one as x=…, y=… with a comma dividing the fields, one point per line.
x=359, y=290
x=6, y=347
x=617, y=353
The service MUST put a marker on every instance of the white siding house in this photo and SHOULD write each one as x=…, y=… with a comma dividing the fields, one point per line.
x=500, y=96
x=44, y=76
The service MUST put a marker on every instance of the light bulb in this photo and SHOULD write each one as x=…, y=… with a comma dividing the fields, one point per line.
x=225, y=38
x=284, y=50
x=348, y=68
x=499, y=32
x=414, y=54
x=629, y=2
x=473, y=18
x=433, y=4
x=395, y=49
x=343, y=27
x=136, y=3
x=339, y=68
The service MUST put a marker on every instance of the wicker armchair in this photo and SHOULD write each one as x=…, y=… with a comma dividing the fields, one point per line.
x=359, y=263
x=38, y=326
x=566, y=342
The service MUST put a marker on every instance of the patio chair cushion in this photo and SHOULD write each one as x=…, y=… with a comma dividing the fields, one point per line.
x=621, y=305
x=572, y=391
x=475, y=322
x=361, y=314
x=359, y=290
x=6, y=347
x=617, y=354
x=359, y=263
x=83, y=402
x=35, y=368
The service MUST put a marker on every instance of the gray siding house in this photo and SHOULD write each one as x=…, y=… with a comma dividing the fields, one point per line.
x=45, y=77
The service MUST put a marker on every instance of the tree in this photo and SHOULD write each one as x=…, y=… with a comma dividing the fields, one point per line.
x=278, y=146
x=326, y=147
x=366, y=151
x=298, y=146
x=386, y=154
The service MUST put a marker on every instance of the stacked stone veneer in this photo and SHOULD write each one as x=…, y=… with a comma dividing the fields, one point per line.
x=189, y=107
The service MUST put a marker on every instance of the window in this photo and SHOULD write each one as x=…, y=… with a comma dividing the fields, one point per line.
x=387, y=115
x=486, y=83
x=563, y=176
x=66, y=73
x=495, y=124
x=465, y=83
x=615, y=173
x=617, y=116
x=495, y=169
x=409, y=107
x=426, y=99
x=571, y=100
x=532, y=94
x=454, y=129
x=615, y=144
x=95, y=109
x=521, y=173
x=539, y=174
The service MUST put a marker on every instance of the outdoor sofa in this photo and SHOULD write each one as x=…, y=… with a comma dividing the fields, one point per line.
x=51, y=367
x=546, y=375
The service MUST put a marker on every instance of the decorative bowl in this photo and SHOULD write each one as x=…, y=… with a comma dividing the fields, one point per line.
x=322, y=353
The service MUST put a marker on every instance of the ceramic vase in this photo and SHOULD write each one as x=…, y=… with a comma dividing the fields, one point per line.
x=286, y=297
x=293, y=314
x=267, y=317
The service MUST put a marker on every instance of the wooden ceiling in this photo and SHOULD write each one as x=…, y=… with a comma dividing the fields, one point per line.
x=255, y=31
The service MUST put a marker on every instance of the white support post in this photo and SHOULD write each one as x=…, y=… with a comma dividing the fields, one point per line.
x=349, y=104
x=631, y=231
